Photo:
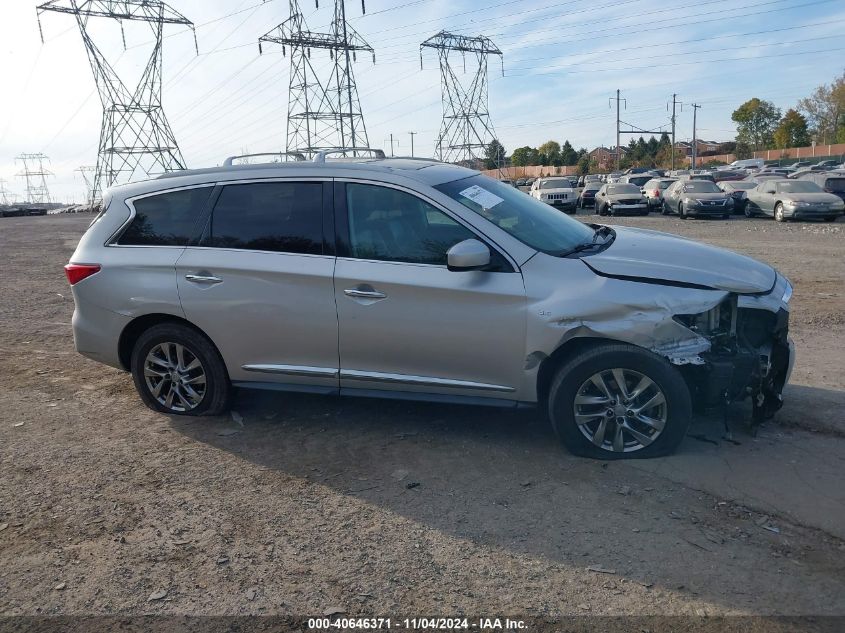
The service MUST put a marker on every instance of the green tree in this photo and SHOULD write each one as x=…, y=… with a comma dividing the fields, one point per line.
x=494, y=154
x=551, y=150
x=584, y=164
x=568, y=155
x=825, y=111
x=756, y=121
x=792, y=131
x=523, y=156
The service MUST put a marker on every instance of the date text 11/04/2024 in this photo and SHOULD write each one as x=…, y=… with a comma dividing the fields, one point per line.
x=440, y=624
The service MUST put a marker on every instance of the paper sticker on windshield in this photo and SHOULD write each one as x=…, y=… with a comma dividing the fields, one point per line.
x=482, y=197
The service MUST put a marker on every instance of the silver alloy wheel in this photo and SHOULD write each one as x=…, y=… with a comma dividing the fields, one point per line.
x=620, y=410
x=779, y=212
x=175, y=376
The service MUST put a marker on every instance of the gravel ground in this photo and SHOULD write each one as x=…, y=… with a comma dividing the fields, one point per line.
x=315, y=504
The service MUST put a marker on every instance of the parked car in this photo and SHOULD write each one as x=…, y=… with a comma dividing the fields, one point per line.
x=636, y=170
x=830, y=181
x=721, y=175
x=636, y=179
x=653, y=191
x=697, y=198
x=799, y=164
x=699, y=176
x=677, y=173
x=592, y=177
x=763, y=177
x=587, y=197
x=557, y=192
x=794, y=199
x=613, y=178
x=521, y=182
x=529, y=181
x=435, y=283
x=507, y=181
x=738, y=190
x=748, y=163
x=621, y=199
x=827, y=164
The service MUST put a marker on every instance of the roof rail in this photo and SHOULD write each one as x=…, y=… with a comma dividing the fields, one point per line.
x=297, y=155
x=320, y=157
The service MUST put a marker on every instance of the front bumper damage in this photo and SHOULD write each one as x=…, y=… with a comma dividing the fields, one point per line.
x=750, y=356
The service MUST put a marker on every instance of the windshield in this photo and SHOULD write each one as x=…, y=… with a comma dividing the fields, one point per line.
x=638, y=180
x=742, y=185
x=798, y=186
x=527, y=219
x=617, y=189
x=555, y=183
x=701, y=186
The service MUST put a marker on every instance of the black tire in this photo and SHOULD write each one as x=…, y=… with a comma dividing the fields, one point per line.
x=681, y=213
x=600, y=210
x=748, y=211
x=779, y=216
x=572, y=376
x=665, y=209
x=218, y=389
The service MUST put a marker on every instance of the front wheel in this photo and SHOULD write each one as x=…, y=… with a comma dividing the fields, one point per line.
x=779, y=216
x=683, y=214
x=665, y=210
x=177, y=370
x=619, y=401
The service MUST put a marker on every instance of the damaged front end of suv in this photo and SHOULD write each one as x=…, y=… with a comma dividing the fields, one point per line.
x=749, y=354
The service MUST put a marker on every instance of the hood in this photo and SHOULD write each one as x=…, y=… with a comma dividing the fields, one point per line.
x=557, y=190
x=821, y=196
x=655, y=257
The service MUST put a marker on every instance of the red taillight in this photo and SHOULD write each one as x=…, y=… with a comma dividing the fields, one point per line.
x=77, y=272
x=657, y=193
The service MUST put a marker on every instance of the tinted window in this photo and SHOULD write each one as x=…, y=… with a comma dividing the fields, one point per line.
x=391, y=225
x=622, y=189
x=285, y=217
x=835, y=184
x=166, y=219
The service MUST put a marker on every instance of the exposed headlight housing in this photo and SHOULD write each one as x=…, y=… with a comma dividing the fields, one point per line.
x=787, y=294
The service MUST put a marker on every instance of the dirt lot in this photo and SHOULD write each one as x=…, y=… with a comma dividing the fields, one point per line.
x=407, y=509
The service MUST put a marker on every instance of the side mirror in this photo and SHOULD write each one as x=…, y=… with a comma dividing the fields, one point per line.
x=467, y=255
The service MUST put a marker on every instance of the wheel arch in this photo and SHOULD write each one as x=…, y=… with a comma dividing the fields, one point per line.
x=140, y=324
x=551, y=363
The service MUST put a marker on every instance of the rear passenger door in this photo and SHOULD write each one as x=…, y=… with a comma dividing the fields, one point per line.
x=258, y=281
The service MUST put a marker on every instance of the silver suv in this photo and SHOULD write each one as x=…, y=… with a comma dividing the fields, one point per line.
x=415, y=279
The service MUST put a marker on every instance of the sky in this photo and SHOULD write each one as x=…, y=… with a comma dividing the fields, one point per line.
x=563, y=61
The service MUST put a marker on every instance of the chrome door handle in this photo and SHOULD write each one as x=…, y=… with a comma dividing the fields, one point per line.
x=364, y=294
x=203, y=279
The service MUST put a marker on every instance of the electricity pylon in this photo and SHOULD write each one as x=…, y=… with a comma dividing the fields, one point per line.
x=323, y=112
x=135, y=137
x=466, y=128
x=88, y=172
x=7, y=198
x=35, y=175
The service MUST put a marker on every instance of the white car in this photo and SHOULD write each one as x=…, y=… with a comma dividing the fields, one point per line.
x=557, y=192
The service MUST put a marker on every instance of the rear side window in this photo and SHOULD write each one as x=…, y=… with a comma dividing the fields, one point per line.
x=835, y=184
x=165, y=219
x=285, y=217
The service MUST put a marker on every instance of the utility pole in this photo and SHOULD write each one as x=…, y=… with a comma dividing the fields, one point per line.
x=391, y=143
x=674, y=103
x=412, y=143
x=695, y=108
x=135, y=137
x=618, y=124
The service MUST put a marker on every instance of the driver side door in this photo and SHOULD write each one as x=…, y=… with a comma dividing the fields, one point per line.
x=406, y=322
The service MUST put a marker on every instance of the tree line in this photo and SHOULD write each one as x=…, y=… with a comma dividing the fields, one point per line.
x=820, y=117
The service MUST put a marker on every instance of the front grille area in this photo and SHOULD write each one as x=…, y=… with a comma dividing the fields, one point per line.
x=629, y=201
x=557, y=196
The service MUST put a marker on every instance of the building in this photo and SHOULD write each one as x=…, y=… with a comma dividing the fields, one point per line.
x=704, y=148
x=604, y=157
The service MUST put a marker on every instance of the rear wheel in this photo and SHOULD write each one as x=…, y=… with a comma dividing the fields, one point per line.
x=749, y=212
x=683, y=214
x=177, y=370
x=619, y=401
x=779, y=216
x=665, y=210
